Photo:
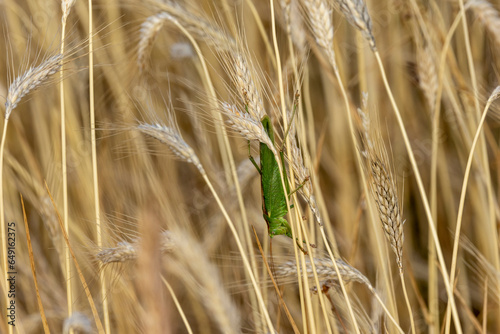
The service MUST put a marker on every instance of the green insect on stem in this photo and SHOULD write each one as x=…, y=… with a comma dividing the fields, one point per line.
x=274, y=202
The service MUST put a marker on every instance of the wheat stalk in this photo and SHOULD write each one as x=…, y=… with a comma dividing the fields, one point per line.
x=66, y=6
x=322, y=28
x=356, y=13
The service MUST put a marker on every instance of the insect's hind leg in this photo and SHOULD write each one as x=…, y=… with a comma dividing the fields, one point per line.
x=299, y=187
x=252, y=159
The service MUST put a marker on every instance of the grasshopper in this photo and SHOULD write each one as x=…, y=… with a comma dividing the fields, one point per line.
x=274, y=204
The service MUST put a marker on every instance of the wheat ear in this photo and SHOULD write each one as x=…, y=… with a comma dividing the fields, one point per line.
x=240, y=71
x=488, y=15
x=171, y=137
x=427, y=76
x=33, y=78
x=356, y=13
x=77, y=323
x=247, y=126
x=148, y=32
x=125, y=251
x=66, y=6
x=324, y=269
x=328, y=273
x=384, y=192
x=197, y=26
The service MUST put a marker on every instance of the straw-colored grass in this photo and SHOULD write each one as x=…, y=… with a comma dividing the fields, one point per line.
x=385, y=113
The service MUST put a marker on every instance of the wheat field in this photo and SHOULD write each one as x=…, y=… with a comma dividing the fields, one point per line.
x=250, y=166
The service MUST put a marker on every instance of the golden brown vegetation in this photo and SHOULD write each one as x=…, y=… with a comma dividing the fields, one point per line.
x=138, y=119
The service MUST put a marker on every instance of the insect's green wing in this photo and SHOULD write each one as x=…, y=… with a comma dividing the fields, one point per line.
x=272, y=189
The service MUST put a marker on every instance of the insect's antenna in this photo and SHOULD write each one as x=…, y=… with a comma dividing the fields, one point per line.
x=294, y=111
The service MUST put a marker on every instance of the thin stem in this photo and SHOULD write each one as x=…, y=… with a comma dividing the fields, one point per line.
x=46, y=328
x=408, y=305
x=177, y=305
x=470, y=60
x=425, y=201
x=2, y=220
x=262, y=31
x=464, y=190
x=95, y=175
x=484, y=155
x=67, y=264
